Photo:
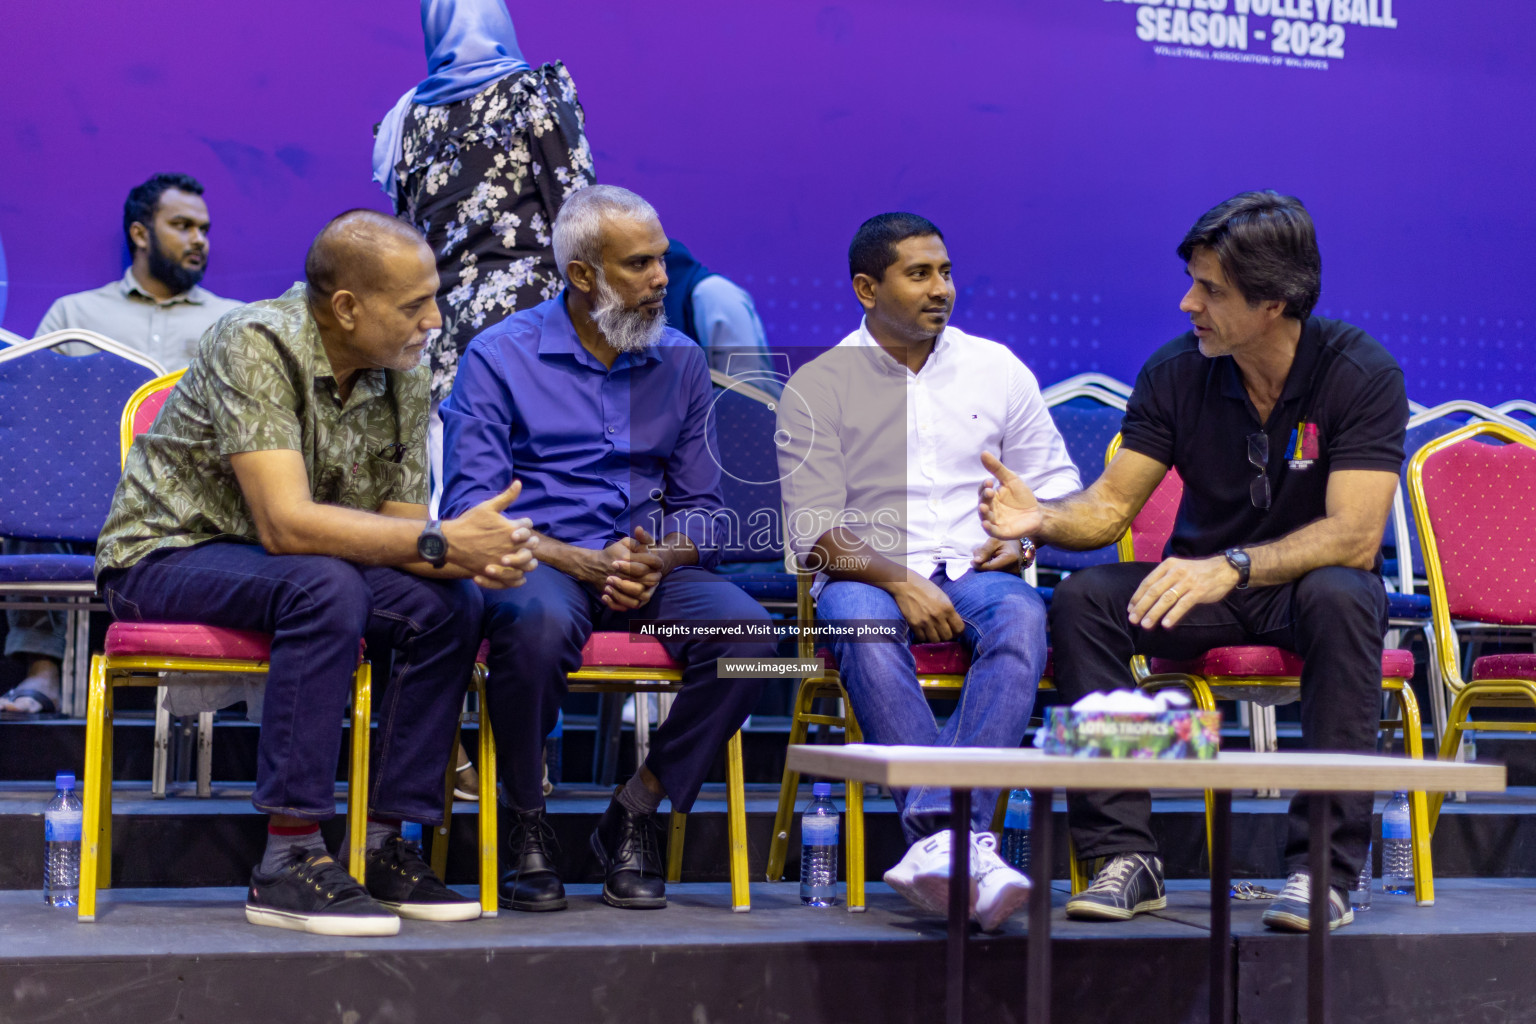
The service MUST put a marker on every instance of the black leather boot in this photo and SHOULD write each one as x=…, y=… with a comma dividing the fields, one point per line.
x=625, y=845
x=531, y=881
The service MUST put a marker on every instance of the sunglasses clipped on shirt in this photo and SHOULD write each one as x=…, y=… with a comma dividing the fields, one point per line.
x=1258, y=458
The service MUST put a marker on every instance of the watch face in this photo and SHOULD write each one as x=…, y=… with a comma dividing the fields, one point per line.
x=432, y=547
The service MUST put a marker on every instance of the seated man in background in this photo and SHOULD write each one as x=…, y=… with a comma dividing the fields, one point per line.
x=717, y=313
x=284, y=490
x=157, y=308
x=1287, y=430
x=603, y=413
x=879, y=492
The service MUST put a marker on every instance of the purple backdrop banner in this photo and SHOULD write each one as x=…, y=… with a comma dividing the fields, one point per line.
x=1062, y=145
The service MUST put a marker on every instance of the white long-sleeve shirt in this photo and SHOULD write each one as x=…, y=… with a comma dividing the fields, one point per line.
x=895, y=456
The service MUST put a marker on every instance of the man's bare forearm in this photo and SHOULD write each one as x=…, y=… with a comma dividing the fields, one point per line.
x=842, y=555
x=577, y=563
x=1081, y=521
x=366, y=538
x=1321, y=543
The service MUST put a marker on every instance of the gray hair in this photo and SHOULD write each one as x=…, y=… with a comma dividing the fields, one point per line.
x=578, y=231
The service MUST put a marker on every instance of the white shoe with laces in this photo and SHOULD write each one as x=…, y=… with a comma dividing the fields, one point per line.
x=999, y=889
x=922, y=875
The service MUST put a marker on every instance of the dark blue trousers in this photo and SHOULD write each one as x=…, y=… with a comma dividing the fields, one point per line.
x=317, y=609
x=537, y=632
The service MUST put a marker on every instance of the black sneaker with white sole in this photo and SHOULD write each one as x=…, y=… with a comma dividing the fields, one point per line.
x=315, y=894
x=398, y=878
x=1127, y=885
x=1292, y=909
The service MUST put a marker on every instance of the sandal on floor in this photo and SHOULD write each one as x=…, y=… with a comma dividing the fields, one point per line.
x=48, y=709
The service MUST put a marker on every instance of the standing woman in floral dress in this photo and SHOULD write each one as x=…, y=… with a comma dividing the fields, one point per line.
x=479, y=157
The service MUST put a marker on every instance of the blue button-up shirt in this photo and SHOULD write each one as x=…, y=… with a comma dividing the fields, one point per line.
x=599, y=450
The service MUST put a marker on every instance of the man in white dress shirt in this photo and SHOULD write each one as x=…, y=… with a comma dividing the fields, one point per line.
x=880, y=482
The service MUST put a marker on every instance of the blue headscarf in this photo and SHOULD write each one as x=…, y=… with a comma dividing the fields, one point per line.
x=470, y=44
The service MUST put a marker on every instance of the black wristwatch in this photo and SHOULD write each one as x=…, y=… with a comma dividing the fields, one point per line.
x=1238, y=559
x=432, y=546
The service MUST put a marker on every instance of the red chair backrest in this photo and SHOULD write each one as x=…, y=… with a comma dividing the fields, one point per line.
x=149, y=408
x=1481, y=500
x=1153, y=525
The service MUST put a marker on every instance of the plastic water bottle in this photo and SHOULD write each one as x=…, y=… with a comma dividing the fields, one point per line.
x=1360, y=892
x=410, y=831
x=1396, y=847
x=818, y=850
x=61, y=829
x=1016, y=830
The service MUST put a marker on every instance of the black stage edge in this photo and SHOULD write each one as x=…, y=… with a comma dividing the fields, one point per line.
x=174, y=955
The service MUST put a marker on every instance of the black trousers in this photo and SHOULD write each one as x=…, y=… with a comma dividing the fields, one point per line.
x=1333, y=617
x=537, y=632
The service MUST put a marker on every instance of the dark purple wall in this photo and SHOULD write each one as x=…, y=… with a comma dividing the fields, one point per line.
x=1061, y=154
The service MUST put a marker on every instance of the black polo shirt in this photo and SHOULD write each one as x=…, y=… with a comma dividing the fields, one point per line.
x=1343, y=407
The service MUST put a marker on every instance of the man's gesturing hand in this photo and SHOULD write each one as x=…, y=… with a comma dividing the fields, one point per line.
x=928, y=611
x=497, y=550
x=635, y=568
x=1008, y=507
x=1177, y=585
x=998, y=556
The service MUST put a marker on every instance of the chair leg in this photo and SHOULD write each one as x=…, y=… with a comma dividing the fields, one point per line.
x=1455, y=725
x=675, y=847
x=162, y=746
x=357, y=781
x=489, y=808
x=1264, y=737
x=778, y=848
x=104, y=830
x=92, y=853
x=1079, y=877
x=205, y=754
x=440, y=834
x=853, y=796
x=736, y=822
x=1418, y=804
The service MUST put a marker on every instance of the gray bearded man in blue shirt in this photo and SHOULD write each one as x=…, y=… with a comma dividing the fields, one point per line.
x=601, y=410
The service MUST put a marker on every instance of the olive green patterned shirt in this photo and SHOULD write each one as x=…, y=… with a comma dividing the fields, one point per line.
x=261, y=381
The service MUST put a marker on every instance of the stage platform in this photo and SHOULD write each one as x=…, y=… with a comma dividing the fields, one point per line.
x=184, y=840
x=188, y=955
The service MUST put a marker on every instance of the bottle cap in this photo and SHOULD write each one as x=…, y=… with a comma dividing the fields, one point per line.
x=821, y=789
x=64, y=780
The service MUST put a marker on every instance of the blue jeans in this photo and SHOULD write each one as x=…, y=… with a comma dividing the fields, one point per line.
x=317, y=608
x=537, y=632
x=1005, y=631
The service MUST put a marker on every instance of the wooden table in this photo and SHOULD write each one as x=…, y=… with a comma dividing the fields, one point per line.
x=963, y=769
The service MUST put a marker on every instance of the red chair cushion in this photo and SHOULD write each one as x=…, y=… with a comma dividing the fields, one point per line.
x=1268, y=661
x=613, y=650
x=187, y=640
x=1505, y=666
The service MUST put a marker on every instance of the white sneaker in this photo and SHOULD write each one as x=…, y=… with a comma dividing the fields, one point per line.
x=922, y=876
x=999, y=888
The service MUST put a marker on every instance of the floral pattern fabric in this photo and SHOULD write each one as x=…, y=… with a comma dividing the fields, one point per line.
x=483, y=179
x=261, y=381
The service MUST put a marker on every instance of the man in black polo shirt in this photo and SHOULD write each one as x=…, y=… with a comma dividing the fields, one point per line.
x=1287, y=430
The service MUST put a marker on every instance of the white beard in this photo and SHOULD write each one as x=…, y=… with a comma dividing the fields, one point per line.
x=627, y=330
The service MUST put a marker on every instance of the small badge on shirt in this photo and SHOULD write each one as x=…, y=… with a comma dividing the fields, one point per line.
x=1303, y=446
